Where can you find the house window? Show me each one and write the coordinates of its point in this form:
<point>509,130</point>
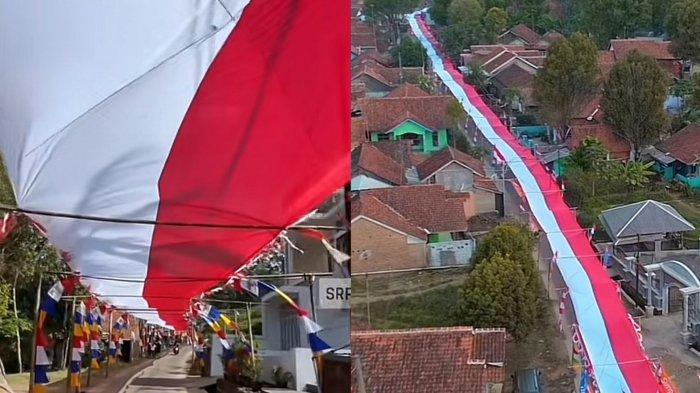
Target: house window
<point>289,328</point>
<point>416,140</point>
<point>383,137</point>
<point>436,139</point>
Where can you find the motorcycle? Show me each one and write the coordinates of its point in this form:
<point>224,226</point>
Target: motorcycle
<point>176,350</point>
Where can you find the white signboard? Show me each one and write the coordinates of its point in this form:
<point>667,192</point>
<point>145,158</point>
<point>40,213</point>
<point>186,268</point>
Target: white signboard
<point>334,293</point>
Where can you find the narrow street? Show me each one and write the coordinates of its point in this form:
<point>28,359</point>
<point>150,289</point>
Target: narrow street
<point>169,373</point>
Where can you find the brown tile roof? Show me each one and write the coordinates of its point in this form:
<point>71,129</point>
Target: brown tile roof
<point>606,61</point>
<point>527,34</point>
<point>367,159</point>
<point>446,360</point>
<point>369,206</point>
<point>359,27</point>
<point>684,145</point>
<point>400,151</point>
<point>407,90</point>
<point>363,40</point>
<point>482,53</point>
<point>446,156</point>
<point>659,50</point>
<point>487,184</point>
<point>490,65</point>
<point>514,75</point>
<point>387,75</point>
<point>428,206</point>
<point>371,56</point>
<point>357,131</point>
<point>382,114</point>
<point>581,129</point>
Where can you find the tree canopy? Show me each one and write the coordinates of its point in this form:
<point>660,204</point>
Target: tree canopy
<point>569,78</point>
<point>683,26</point>
<point>608,19</point>
<point>633,100</point>
<point>498,293</point>
<point>461,11</point>
<point>392,9</point>
<point>410,53</point>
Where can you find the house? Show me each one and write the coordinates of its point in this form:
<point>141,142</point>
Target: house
<point>510,68</point>
<point>659,271</point>
<point>460,172</point>
<point>589,123</point>
<point>420,118</point>
<point>658,49</point>
<point>520,35</point>
<point>410,226</point>
<point>547,40</point>
<point>284,338</point>
<point>362,37</point>
<point>380,79</point>
<point>678,156</point>
<point>517,78</point>
<point>372,168</point>
<point>447,360</point>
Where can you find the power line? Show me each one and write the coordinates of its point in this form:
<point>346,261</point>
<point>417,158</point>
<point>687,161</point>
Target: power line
<point>8,208</point>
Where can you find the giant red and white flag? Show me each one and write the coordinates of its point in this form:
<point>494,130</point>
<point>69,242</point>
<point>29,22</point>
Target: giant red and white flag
<point>215,112</point>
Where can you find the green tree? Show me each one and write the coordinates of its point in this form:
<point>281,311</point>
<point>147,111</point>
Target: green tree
<point>476,76</point>
<point>684,28</point>
<point>410,53</point>
<point>499,294</point>
<point>590,156</point>
<point>461,11</point>
<point>454,38</point>
<point>511,239</point>
<point>529,12</point>
<point>393,10</point>
<point>439,11</point>
<point>608,19</point>
<point>495,21</point>
<point>568,79</point>
<point>633,174</point>
<point>633,100</point>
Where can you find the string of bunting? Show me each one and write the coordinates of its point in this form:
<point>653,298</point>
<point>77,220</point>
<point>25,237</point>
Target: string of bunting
<point>48,308</point>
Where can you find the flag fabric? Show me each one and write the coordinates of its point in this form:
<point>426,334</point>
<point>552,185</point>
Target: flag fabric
<point>583,384</point>
<point>41,366</point>
<point>318,346</point>
<point>49,302</point>
<point>78,344</point>
<point>150,89</point>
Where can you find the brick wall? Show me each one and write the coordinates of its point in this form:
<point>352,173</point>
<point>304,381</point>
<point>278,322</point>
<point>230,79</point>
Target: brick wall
<point>377,248</point>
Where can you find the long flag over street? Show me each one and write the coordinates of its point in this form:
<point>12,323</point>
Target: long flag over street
<point>162,144</point>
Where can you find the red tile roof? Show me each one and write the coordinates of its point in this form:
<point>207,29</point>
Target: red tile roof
<point>684,145</point>
<point>606,61</point>
<point>368,206</point>
<point>400,151</point>
<point>500,59</point>
<point>357,131</point>
<point>388,75</point>
<point>363,40</point>
<point>527,34</point>
<point>407,90</point>
<point>659,50</point>
<point>446,156</point>
<point>430,207</point>
<point>446,360</point>
<point>487,184</point>
<point>616,145</point>
<point>382,114</point>
<point>367,159</point>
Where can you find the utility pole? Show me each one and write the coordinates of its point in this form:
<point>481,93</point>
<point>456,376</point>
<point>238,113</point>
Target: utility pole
<point>36,331</point>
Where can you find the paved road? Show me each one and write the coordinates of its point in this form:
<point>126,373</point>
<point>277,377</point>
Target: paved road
<point>169,373</point>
